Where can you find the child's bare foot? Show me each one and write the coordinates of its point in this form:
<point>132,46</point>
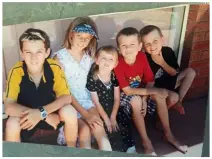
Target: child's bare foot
<point>148,148</point>
<point>53,120</point>
<point>171,139</point>
<point>179,108</point>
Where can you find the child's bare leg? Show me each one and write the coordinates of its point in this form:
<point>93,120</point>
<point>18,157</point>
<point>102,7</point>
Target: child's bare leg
<point>69,115</point>
<point>172,99</point>
<point>184,80</point>
<point>53,119</point>
<point>138,118</point>
<point>100,134</point>
<point>13,130</point>
<point>84,134</point>
<point>163,115</point>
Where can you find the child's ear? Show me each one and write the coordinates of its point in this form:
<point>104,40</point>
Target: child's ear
<point>140,46</point>
<point>96,61</point>
<point>48,52</point>
<point>162,40</point>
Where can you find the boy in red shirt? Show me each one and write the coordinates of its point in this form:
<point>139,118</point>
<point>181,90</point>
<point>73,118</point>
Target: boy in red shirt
<point>133,72</point>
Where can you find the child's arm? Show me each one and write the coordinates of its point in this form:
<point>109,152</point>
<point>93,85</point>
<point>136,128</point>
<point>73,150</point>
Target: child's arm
<point>169,55</point>
<point>115,109</point>
<point>145,91</point>
<point>171,71</point>
<point>101,110</point>
<point>13,109</point>
<point>116,102</point>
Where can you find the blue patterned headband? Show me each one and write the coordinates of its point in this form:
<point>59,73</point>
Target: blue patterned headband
<point>85,28</point>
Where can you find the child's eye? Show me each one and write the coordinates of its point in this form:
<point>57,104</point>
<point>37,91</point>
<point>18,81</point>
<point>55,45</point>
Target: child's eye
<point>27,52</point>
<point>155,41</point>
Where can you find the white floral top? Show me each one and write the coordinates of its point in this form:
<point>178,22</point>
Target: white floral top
<point>76,75</point>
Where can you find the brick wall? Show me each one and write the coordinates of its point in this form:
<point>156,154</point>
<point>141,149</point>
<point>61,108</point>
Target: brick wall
<point>196,49</point>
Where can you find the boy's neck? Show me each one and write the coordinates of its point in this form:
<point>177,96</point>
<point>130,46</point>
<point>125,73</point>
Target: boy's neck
<point>36,74</point>
<point>130,61</point>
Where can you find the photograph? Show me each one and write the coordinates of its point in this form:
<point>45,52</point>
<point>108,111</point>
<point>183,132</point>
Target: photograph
<point>105,79</point>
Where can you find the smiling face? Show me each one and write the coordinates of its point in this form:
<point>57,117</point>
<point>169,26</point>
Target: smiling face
<point>34,54</point>
<point>107,61</point>
<point>153,42</point>
<point>129,46</point>
<point>80,40</point>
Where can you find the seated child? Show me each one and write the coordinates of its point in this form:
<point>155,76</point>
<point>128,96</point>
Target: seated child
<point>105,93</point>
<point>76,59</point>
<point>133,70</point>
<point>37,96</point>
<point>165,67</point>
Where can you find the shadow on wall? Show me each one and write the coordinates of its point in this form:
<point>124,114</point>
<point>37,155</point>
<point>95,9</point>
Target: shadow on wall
<point>107,30</point>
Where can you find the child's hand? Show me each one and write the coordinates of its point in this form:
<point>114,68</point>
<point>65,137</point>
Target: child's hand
<point>114,123</point>
<point>94,119</point>
<point>158,59</point>
<point>109,125</point>
<point>30,118</point>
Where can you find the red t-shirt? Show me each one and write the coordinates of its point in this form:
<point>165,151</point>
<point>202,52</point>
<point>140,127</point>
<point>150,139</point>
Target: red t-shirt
<point>134,75</point>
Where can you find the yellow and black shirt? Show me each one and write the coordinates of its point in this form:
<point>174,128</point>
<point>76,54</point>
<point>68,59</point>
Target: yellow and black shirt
<point>22,89</point>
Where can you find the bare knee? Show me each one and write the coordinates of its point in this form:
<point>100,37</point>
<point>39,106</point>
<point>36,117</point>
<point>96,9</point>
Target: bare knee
<point>191,73</point>
<point>13,123</point>
<point>136,102</point>
<point>98,131</point>
<point>173,98</point>
<point>68,112</point>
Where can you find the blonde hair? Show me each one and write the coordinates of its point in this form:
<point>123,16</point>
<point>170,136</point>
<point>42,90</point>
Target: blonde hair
<point>109,49</point>
<point>91,48</point>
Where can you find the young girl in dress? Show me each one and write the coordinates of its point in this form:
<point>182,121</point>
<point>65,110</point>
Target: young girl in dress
<point>104,88</point>
<point>76,59</point>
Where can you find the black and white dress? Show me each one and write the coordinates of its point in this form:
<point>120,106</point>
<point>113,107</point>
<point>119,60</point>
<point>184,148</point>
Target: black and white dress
<point>106,98</point>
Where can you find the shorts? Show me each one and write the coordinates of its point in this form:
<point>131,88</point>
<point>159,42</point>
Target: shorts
<point>27,134</point>
<point>127,108</point>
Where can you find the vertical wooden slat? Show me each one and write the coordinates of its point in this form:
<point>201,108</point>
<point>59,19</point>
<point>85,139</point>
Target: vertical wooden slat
<point>10,47</point>
<point>54,31</point>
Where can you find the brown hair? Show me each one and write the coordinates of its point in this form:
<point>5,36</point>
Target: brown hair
<point>34,34</point>
<point>107,48</point>
<point>149,28</point>
<point>128,32</point>
<point>91,48</point>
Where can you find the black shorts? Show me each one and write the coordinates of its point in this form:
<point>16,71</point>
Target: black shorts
<point>27,134</point>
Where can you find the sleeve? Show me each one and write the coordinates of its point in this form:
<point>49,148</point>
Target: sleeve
<point>148,74</point>
<point>13,84</point>
<point>60,83</point>
<point>170,58</point>
<point>114,80</point>
<point>120,76</point>
<point>91,84</point>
